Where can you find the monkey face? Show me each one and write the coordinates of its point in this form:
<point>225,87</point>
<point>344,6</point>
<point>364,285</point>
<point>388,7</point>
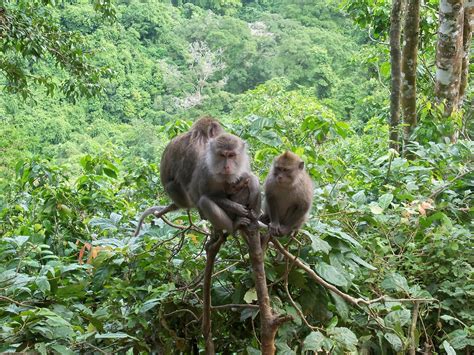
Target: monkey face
<point>227,157</point>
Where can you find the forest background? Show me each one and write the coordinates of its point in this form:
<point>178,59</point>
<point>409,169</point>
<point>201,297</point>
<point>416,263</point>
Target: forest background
<point>94,91</point>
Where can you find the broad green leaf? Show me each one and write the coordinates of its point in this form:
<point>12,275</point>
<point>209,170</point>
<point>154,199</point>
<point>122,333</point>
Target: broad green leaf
<point>61,349</point>
<point>345,337</point>
<point>21,239</point>
<point>250,296</point>
<point>283,348</point>
<point>448,348</point>
<point>341,305</point>
<point>394,341</point>
<point>314,342</point>
<point>43,284</point>
<point>318,244</point>
<point>399,317</point>
<point>385,200</point>
<point>149,305</point>
<point>395,282</point>
<point>375,208</point>
<point>330,274</point>
<point>360,198</point>
<point>103,223</point>
<point>362,262</point>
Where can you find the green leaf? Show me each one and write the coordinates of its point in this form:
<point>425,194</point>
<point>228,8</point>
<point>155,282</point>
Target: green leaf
<point>103,223</point>
<point>283,348</point>
<point>250,296</point>
<point>395,282</point>
<point>362,262</point>
<point>394,341</point>
<point>359,198</point>
<point>117,335</point>
<point>21,239</point>
<point>149,305</point>
<point>399,318</point>
<point>341,305</point>
<point>61,349</point>
<point>448,348</point>
<point>331,274</point>
<point>385,200</point>
<point>43,284</point>
<point>345,337</point>
<point>314,342</point>
<point>375,208</point>
<point>317,243</point>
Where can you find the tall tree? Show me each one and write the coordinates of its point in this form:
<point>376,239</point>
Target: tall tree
<point>449,53</point>
<point>409,62</point>
<point>396,78</point>
<point>467,39</point>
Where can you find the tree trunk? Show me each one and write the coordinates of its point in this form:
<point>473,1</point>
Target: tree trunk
<point>396,61</point>
<point>409,60</point>
<point>467,38</point>
<point>449,54</point>
<point>269,322</point>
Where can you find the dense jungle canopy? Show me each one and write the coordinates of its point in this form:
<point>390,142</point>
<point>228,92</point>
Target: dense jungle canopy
<point>375,96</point>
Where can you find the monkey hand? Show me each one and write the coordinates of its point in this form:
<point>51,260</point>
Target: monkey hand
<point>241,222</point>
<point>241,210</point>
<point>274,229</point>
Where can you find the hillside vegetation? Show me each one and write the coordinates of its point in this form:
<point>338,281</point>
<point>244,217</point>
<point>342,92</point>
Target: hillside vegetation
<point>76,171</point>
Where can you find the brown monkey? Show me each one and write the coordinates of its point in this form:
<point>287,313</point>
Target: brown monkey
<point>246,191</point>
<point>288,194</point>
<point>225,161</point>
<point>180,157</point>
<point>178,163</point>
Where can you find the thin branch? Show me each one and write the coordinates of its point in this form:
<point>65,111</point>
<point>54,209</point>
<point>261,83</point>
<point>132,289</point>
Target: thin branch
<point>225,269</point>
<point>235,305</point>
<point>182,310</point>
<point>18,303</point>
<point>445,186</point>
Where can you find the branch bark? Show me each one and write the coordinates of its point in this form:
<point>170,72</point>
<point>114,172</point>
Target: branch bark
<point>212,248</point>
<point>467,39</point>
<point>396,72</point>
<point>269,322</point>
<point>449,52</point>
<point>409,62</point>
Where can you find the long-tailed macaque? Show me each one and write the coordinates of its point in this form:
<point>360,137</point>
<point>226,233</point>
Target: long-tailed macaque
<point>246,191</point>
<point>225,161</point>
<point>178,162</point>
<point>288,194</point>
<point>181,156</point>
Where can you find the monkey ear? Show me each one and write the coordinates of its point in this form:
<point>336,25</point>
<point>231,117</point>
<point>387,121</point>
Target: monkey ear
<point>301,165</point>
<point>213,129</point>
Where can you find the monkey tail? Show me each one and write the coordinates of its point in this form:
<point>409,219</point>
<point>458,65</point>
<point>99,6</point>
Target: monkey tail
<point>158,211</point>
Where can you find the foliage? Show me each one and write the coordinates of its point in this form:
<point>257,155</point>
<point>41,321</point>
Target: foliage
<point>30,34</point>
<point>283,75</point>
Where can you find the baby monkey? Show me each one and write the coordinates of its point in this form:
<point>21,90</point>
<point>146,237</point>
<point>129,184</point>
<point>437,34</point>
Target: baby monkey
<point>288,195</point>
<point>245,191</point>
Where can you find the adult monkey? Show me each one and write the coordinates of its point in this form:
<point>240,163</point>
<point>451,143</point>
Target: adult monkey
<point>178,164</point>
<point>225,161</point>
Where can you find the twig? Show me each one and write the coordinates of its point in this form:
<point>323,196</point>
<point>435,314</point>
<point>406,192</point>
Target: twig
<point>182,310</point>
<point>18,303</point>
<point>235,305</point>
<point>445,186</point>
<point>355,301</point>
<point>414,319</point>
<point>225,269</point>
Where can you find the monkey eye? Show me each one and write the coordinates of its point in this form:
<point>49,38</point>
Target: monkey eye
<point>231,155</point>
